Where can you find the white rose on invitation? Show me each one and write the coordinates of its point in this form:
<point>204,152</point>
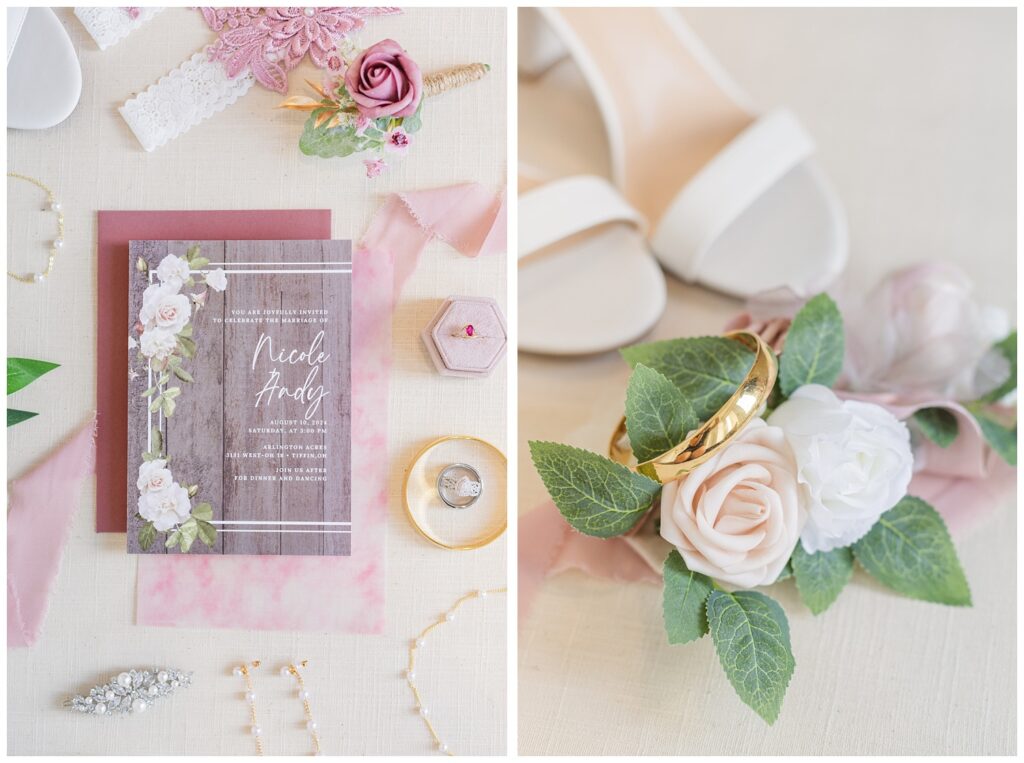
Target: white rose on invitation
<point>737,517</point>
<point>163,306</point>
<point>854,458</point>
<point>157,344</point>
<point>165,508</point>
<point>217,279</point>
<point>154,476</point>
<point>173,270</point>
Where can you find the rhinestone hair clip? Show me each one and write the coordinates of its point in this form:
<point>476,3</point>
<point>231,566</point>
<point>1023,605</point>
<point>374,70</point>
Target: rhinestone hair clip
<point>132,691</point>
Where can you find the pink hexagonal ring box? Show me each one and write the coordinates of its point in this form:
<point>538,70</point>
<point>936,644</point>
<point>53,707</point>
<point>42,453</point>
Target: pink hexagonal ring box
<point>466,337</point>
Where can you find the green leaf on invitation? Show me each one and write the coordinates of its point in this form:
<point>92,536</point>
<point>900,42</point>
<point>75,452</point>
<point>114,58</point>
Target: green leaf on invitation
<point>751,635</point>
<point>189,530</point>
<point>207,532</point>
<point>1001,436</point>
<point>595,495</point>
<point>820,577</point>
<point>1008,349</point>
<point>173,540</point>
<point>327,142</point>
<point>23,371</point>
<point>706,369</point>
<point>202,511</point>
<point>658,417</point>
<point>909,550</point>
<point>937,424</point>
<point>814,346</point>
<point>683,601</point>
<point>147,534</point>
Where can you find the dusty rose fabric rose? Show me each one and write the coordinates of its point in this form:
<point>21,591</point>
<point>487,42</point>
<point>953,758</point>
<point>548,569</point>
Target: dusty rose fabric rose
<point>737,517</point>
<point>384,81</point>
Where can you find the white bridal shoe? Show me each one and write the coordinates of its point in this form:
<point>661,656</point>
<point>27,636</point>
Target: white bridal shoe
<point>587,283</point>
<point>44,79</point>
<point>734,199</point>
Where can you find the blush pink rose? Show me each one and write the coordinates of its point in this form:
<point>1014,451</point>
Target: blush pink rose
<point>738,516</point>
<point>384,82</point>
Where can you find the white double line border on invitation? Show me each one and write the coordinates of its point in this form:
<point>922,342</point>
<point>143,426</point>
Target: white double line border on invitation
<point>279,526</point>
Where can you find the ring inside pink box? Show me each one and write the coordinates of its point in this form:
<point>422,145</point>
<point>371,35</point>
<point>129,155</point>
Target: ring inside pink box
<point>466,337</point>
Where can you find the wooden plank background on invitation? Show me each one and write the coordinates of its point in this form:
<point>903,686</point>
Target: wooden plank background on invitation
<point>215,412</point>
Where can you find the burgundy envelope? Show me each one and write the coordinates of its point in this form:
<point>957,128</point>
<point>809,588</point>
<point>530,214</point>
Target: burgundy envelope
<point>115,230</point>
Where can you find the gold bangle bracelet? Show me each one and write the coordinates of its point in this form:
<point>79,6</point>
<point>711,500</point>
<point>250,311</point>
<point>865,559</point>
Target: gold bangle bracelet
<point>699,445</point>
<point>476,542</point>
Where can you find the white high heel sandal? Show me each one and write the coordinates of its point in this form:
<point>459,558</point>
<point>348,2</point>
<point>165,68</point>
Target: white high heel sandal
<point>735,200</point>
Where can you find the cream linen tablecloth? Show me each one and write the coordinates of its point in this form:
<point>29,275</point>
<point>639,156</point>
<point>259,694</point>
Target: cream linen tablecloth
<point>914,113</point>
<point>247,158</point>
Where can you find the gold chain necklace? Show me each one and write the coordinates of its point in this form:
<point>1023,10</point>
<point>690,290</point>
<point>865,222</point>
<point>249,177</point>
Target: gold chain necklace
<point>419,642</point>
<point>56,245</point>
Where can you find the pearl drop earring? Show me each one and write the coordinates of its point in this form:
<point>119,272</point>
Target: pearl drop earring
<point>311,725</point>
<point>242,671</point>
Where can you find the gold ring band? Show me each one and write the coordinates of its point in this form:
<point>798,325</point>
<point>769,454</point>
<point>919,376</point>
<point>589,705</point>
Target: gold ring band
<point>473,544</point>
<point>699,445</point>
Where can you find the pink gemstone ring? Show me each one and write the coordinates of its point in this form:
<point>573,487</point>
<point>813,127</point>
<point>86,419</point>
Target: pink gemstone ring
<point>468,332</point>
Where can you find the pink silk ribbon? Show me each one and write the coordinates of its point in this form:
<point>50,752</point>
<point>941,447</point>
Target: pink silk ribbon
<point>469,217</point>
<point>42,504</point>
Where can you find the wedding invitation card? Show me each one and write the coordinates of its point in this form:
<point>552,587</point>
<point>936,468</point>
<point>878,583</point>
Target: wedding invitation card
<point>239,397</point>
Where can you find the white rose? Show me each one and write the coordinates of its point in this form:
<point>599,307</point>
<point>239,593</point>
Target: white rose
<point>920,330</point>
<point>217,279</point>
<point>854,457</point>
<point>157,344</point>
<point>164,307</point>
<point>165,508</point>
<point>737,517</point>
<point>173,270</point>
<point>154,476</point>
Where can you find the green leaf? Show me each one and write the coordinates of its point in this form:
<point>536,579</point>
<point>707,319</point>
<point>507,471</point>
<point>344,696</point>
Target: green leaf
<point>814,346</point>
<point>168,406</point>
<point>787,572</point>
<point>14,416</point>
<point>657,415</point>
<point>182,374</point>
<point>937,424</point>
<point>149,392</point>
<point>172,392</point>
<point>157,441</point>
<point>683,601</point>
<point>199,262</point>
<point>207,532</point>
<point>595,495</point>
<point>173,540</point>
<point>189,530</point>
<point>415,122</point>
<point>157,401</point>
<point>192,252</point>
<point>1008,349</point>
<point>707,369</point>
<point>820,577</point>
<point>23,371</point>
<point>1001,437</point>
<point>329,142</point>
<point>147,534</point>
<point>910,551</point>
<point>187,346</point>
<point>187,331</point>
<point>751,635</point>
<point>202,511</point>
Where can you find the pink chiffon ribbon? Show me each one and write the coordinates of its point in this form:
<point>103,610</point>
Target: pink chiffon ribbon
<point>42,504</point>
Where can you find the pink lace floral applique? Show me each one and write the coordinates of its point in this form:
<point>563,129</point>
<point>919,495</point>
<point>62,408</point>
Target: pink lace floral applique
<point>272,41</point>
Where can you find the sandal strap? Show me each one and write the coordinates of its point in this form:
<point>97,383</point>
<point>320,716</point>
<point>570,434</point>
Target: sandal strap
<point>568,206</point>
<point>726,187</point>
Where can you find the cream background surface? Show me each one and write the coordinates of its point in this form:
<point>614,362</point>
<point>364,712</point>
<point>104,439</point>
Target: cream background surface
<point>914,113</point>
<point>247,158</point>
